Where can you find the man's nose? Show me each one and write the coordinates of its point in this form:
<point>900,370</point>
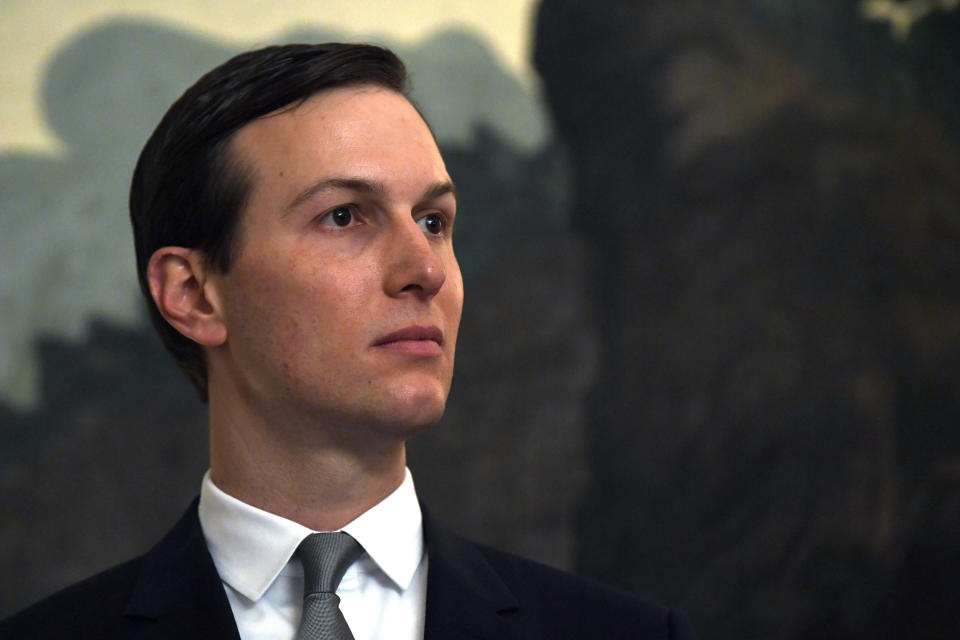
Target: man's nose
<point>414,266</point>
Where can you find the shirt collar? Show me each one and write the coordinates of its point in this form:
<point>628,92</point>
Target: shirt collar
<point>250,546</point>
<point>391,532</point>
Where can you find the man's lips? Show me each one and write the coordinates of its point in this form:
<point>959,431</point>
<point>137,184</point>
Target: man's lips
<point>414,340</point>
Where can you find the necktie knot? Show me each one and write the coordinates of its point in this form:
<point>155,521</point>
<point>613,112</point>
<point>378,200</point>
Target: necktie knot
<point>325,558</point>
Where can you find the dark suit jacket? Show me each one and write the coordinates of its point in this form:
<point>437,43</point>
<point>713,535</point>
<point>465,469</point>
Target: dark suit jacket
<point>174,591</point>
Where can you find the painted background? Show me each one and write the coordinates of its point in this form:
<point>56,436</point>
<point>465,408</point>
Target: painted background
<point>711,346</point>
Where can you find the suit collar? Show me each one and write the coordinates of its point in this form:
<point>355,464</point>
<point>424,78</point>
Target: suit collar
<point>178,589</point>
<point>465,596</point>
<point>180,595</point>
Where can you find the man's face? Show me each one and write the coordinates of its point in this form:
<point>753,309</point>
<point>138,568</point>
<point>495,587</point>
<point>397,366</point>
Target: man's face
<point>343,302</point>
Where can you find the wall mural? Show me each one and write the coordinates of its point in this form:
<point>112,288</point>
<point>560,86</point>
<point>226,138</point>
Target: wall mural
<point>711,342</point>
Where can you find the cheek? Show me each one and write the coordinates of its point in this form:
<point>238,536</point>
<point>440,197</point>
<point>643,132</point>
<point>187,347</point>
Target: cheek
<point>320,306</point>
<point>336,295</point>
<point>302,305</point>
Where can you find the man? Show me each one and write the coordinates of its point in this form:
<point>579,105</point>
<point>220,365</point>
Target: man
<point>293,223</point>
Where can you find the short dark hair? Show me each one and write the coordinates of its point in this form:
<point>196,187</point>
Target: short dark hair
<point>188,190</point>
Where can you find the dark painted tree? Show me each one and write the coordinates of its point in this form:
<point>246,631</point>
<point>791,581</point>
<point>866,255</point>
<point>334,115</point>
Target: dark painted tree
<point>771,431</point>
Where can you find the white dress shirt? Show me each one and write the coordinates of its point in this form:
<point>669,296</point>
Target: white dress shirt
<point>382,594</point>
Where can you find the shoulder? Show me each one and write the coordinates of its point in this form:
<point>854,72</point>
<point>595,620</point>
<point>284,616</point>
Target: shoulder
<point>87,609</point>
<point>568,602</point>
<point>176,575</point>
<point>532,600</point>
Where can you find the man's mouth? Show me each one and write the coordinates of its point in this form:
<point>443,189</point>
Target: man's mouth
<point>414,340</point>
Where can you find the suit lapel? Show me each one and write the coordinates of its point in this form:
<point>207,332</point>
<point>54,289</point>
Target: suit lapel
<point>465,596</point>
<point>178,593</point>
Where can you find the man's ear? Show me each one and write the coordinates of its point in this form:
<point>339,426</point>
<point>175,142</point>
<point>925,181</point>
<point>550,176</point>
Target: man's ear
<point>178,284</point>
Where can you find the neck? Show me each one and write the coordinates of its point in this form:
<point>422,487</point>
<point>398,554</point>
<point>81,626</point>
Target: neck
<point>320,484</point>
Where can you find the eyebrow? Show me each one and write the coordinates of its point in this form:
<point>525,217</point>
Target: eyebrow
<point>362,185</point>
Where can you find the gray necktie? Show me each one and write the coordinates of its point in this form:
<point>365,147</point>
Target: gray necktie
<point>325,558</point>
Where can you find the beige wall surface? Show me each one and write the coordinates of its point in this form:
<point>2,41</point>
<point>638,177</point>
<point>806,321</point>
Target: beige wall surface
<point>32,30</point>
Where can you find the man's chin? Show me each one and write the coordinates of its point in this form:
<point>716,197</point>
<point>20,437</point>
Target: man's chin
<point>386,415</point>
<point>417,395</point>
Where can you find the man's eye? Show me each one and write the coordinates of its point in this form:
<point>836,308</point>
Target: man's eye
<point>339,217</point>
<point>432,223</point>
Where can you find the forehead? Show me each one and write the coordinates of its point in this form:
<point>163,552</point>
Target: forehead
<point>364,131</point>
